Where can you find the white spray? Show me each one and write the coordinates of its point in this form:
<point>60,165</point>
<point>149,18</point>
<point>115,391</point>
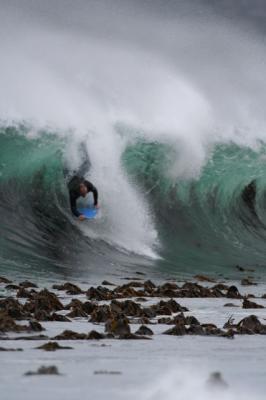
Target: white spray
<point>184,82</point>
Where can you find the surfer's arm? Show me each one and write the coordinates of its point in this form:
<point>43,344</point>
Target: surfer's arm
<point>92,189</point>
<point>73,205</point>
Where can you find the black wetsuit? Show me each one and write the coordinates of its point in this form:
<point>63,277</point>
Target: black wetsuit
<point>74,194</point>
<point>249,196</point>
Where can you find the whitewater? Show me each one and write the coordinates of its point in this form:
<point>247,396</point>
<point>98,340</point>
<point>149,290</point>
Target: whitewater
<point>161,105</point>
<point>168,110</point>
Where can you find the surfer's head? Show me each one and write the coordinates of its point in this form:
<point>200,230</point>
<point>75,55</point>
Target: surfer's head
<point>83,190</point>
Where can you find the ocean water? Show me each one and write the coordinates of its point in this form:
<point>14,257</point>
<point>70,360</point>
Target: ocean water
<point>161,104</point>
<point>165,367</point>
<point>166,100</point>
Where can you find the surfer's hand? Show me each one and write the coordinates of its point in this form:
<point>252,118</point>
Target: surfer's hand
<point>82,217</point>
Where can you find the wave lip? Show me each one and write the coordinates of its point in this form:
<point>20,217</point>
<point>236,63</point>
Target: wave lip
<point>207,221</point>
<point>37,228</point>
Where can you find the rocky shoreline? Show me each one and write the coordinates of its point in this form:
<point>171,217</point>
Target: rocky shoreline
<point>118,308</point>
<point>136,310</point>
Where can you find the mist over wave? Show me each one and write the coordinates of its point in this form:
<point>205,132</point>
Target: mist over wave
<point>169,108</point>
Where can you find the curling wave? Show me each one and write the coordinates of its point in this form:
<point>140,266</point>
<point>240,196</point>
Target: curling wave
<point>171,114</point>
<point>200,223</point>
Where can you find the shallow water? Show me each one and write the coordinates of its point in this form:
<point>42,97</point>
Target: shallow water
<point>164,102</point>
<point>171,144</point>
<point>165,367</point>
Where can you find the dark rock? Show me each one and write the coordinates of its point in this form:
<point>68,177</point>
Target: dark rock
<point>51,370</point>
<point>233,293</point>
<point>127,307</point>
<point>141,321</point>
<point>135,283</point>
<point>77,312</point>
<point>230,305</point>
<point>149,286</point>
<point>24,293</point>
<point>250,304</point>
<point>104,372</point>
<point>99,293</point>
<point>168,286</point>
<point>144,330</point>
<point>12,287</point>
<point>251,325</point>
<point>216,381</point>
<point>101,314</point>
<point>167,293</point>
<point>162,310</point>
<point>9,349</point>
<point>27,285</point>
<point>178,330</point>
<point>165,320</point>
<point>220,286</point>
<point>180,318</point>
<point>53,346</point>
<point>117,307</point>
<point>149,312</point>
<point>191,320</point>
<point>133,336</point>
<point>74,303</point>
<point>106,283</point>
<point>131,308</point>
<point>209,326</point>
<point>7,324</point>
<point>195,330</point>
<point>87,307</point>
<point>32,337</point>
<point>212,330</point>
<point>69,287</point>
<point>168,307</point>
<point>217,293</point>
<point>109,336</point>
<point>118,326</point>
<point>247,282</point>
<point>59,318</point>
<point>35,326</point>
<point>4,280</point>
<point>244,269</point>
<point>190,289</point>
<point>44,301</point>
<point>204,278</point>
<point>127,291</point>
<point>94,335</point>
<point>41,315</point>
<point>13,308</point>
<point>229,334</point>
<point>70,335</point>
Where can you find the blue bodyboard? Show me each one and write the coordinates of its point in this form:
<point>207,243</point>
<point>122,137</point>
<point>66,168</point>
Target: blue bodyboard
<point>89,212</point>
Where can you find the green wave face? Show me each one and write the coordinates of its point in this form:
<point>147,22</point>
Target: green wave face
<point>31,187</point>
<point>21,156</point>
<point>204,223</point>
<point>38,234</point>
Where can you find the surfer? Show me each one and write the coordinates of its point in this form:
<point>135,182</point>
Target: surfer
<point>249,196</point>
<point>79,187</point>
